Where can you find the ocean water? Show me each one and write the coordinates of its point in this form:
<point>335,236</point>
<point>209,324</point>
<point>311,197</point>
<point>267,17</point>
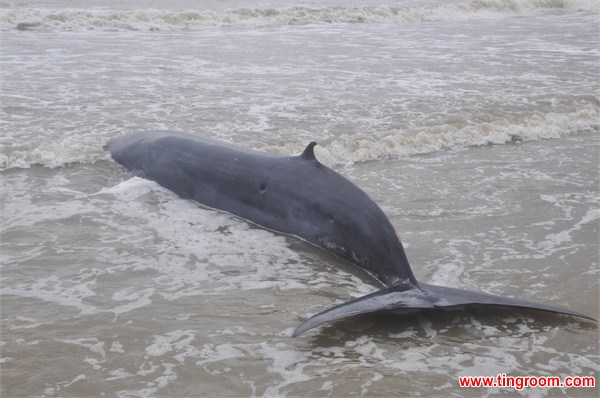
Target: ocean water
<point>474,124</point>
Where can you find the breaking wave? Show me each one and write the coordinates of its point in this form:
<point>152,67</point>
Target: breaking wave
<point>350,149</point>
<point>530,126</point>
<point>154,19</point>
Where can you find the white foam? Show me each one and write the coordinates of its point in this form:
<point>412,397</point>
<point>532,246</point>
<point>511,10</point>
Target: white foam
<point>135,298</point>
<point>53,290</point>
<point>215,253</point>
<point>117,347</point>
<point>24,323</point>
<point>91,343</point>
<point>155,19</point>
<point>561,240</point>
<point>131,189</point>
<point>48,152</point>
<point>350,149</point>
<point>176,340</point>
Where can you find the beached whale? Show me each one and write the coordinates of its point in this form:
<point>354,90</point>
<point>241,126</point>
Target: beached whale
<point>299,196</point>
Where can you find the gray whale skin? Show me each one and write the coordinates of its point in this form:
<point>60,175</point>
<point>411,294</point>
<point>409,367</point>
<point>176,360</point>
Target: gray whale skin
<point>298,196</point>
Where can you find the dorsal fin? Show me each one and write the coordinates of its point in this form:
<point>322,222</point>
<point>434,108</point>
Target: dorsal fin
<point>309,153</point>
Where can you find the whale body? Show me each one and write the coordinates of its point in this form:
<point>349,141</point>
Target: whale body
<point>298,195</point>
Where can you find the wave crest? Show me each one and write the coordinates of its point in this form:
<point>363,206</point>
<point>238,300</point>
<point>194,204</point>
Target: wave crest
<point>47,152</point>
<point>583,115</point>
<point>151,20</point>
<point>346,150</point>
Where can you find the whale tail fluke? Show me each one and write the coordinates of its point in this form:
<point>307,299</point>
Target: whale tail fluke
<point>422,296</point>
<point>394,297</point>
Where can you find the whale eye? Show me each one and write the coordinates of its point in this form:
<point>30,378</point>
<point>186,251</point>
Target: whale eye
<point>263,187</point>
<point>331,219</point>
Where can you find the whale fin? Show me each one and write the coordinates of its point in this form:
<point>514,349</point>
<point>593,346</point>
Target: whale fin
<point>393,297</point>
<point>309,153</point>
<point>449,297</point>
<point>422,296</point>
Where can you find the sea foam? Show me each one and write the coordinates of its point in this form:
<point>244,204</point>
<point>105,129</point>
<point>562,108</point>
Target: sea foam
<point>154,19</point>
<point>349,149</point>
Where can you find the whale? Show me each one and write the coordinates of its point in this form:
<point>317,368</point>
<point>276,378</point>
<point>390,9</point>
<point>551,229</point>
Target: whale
<point>300,196</point>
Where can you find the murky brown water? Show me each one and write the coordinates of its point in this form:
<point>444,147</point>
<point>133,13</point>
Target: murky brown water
<point>121,288</point>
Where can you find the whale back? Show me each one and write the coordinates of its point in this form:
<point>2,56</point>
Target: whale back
<point>299,196</point>
<point>294,195</point>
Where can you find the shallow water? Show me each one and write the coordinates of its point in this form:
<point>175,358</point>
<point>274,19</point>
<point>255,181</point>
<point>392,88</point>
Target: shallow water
<point>113,286</point>
<point>129,290</point>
